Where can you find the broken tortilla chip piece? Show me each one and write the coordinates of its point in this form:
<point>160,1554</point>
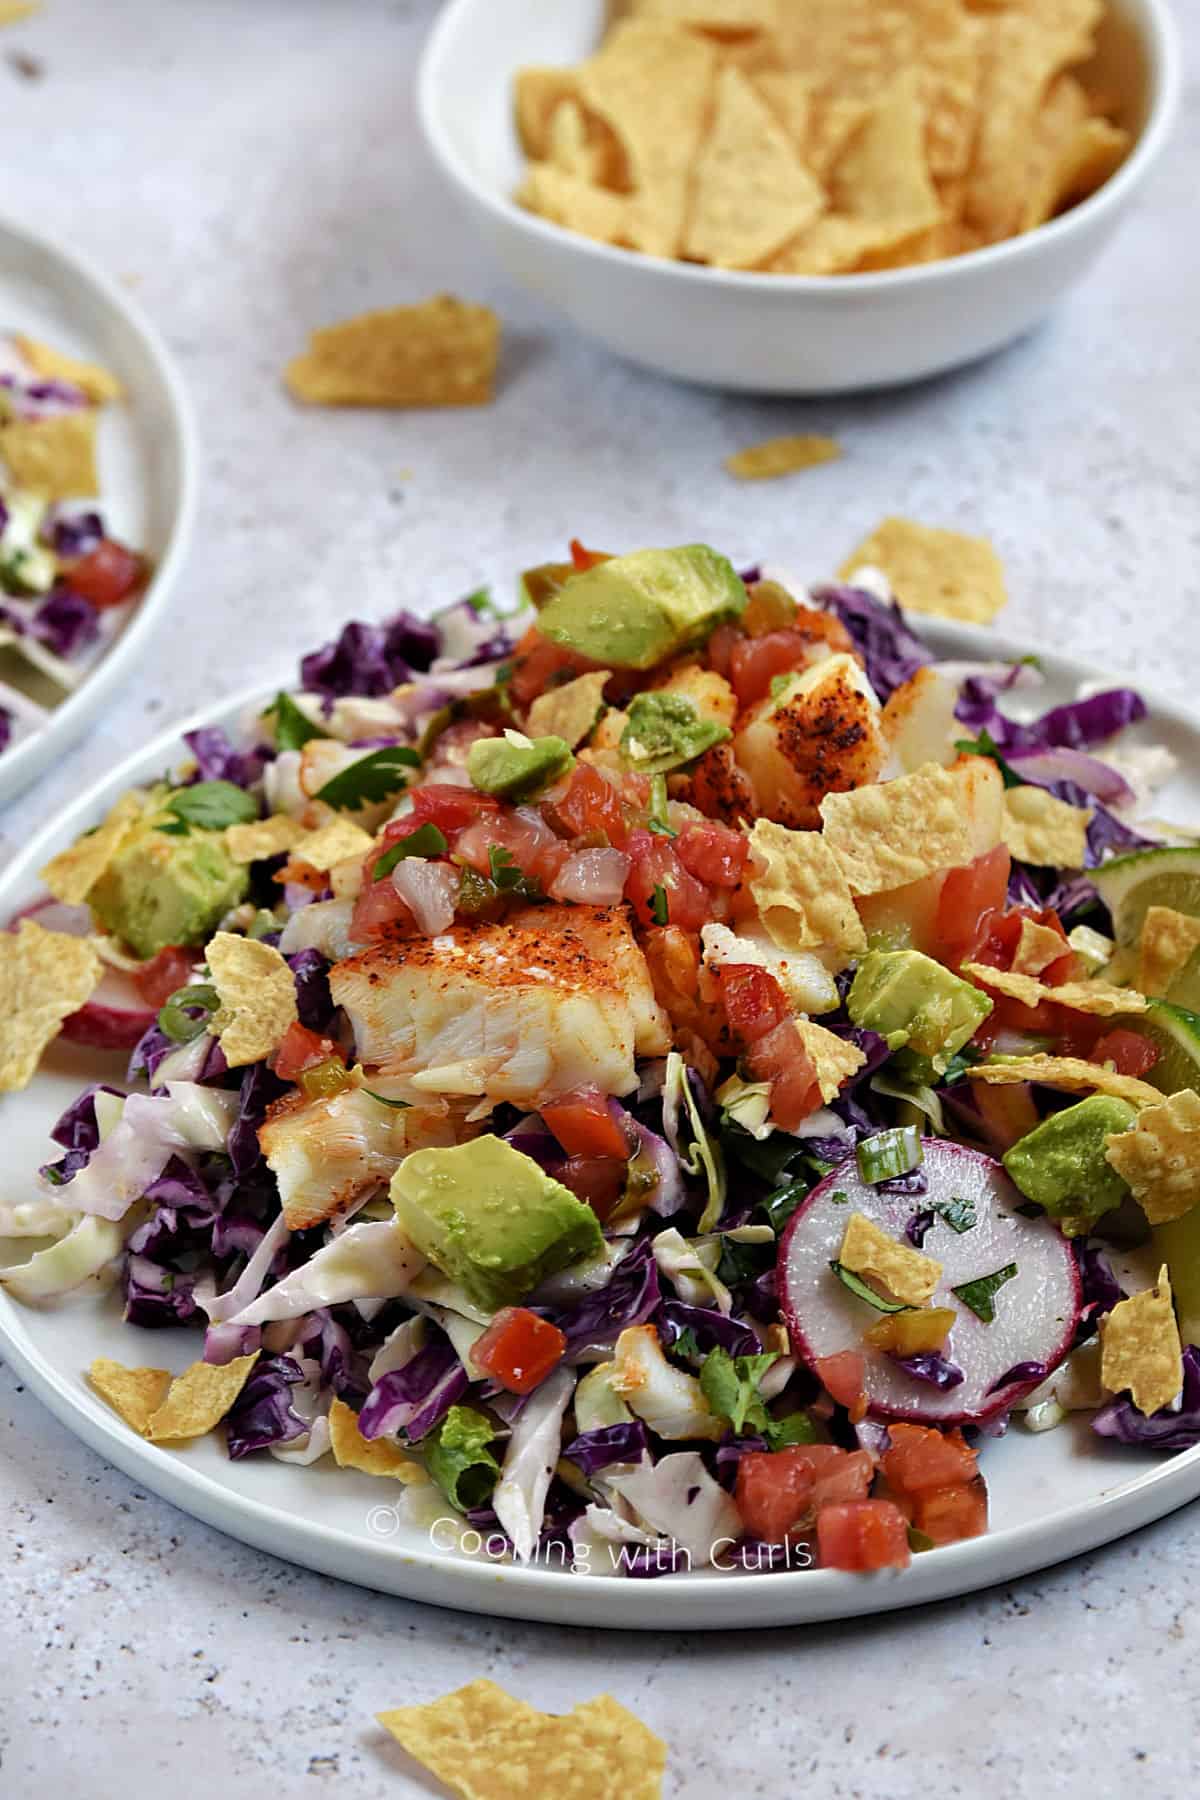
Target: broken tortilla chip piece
<point>1068,1073</point>
<point>750,193</point>
<point>263,838</point>
<point>374,1456</point>
<point>13,11</point>
<point>45,976</point>
<point>537,94</point>
<point>1160,1157</point>
<point>883,173</point>
<point>136,1394</point>
<point>1168,942</point>
<point>893,832</point>
<point>570,711</point>
<point>440,353</point>
<point>484,1745</point>
<point>333,843</point>
<point>1098,998</point>
<point>1140,1349</point>
<point>801,893</point>
<point>932,570</point>
<point>97,383</point>
<point>566,200</point>
<point>72,874</point>
<point>257,993</point>
<point>906,1273</point>
<point>834,1059</point>
<point>782,456</point>
<point>55,456</point>
<point>199,1399</point>
<point>1037,947</point>
<point>1043,830</point>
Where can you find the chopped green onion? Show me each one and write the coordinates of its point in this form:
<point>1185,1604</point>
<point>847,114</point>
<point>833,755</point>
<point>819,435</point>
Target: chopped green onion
<point>889,1154</point>
<point>657,818</point>
<point>858,1287</point>
<point>659,911</point>
<point>426,840</point>
<point>175,1018</point>
<point>980,1294</point>
<point>959,1215</point>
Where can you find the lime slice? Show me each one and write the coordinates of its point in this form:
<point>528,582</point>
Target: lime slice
<point>1185,988</point>
<point>1130,885</point>
<point>1176,1033</point>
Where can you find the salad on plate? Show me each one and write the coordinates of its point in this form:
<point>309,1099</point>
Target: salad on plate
<point>665,1076</point>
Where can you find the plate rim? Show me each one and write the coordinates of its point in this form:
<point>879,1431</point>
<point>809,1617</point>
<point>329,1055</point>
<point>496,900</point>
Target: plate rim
<point>703,1601</point>
<point>26,760</point>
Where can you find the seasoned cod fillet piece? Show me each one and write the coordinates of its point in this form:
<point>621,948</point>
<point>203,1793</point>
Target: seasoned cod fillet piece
<point>327,1153</point>
<point>549,999</point>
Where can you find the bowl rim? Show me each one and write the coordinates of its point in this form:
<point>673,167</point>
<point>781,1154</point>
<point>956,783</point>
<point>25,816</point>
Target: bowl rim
<point>26,760</point>
<point>1159,35</point>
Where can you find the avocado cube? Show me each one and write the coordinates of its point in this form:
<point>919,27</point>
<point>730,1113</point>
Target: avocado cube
<point>515,770</point>
<point>913,1001</point>
<point>633,611</point>
<point>162,888</point>
<point>1061,1163</point>
<point>490,1219</point>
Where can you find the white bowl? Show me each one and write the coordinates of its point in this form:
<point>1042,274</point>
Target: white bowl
<point>778,334</point>
<point>146,457</point>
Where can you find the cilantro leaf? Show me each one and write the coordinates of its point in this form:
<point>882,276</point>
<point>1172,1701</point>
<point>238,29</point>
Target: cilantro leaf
<point>730,1385</point>
<point>986,745</point>
<point>858,1287</point>
<point>508,877</point>
<point>959,1215</point>
<point>293,728</point>
<point>372,779</point>
<point>426,840</point>
<point>209,806</point>
<point>795,1428</point>
<point>980,1294</point>
<point>687,1346</point>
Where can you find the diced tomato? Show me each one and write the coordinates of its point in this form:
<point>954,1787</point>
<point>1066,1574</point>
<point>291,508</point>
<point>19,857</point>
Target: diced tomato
<point>862,1535</point>
<point>754,662</point>
<point>590,804</point>
<point>1128,1051</point>
<point>378,912</point>
<point>922,1458</point>
<point>525,835</point>
<point>107,575</point>
<point>949,1514</point>
<point>587,559</point>
<point>584,1124</point>
<point>774,1492</point>
<point>842,1375</point>
<point>713,853</point>
<point>781,1059</point>
<point>159,978</point>
<point>968,897</point>
<point>519,1349</point>
<point>599,1181</point>
<point>654,867</point>
<point>442,804</point>
<point>536,661</point>
<point>301,1049</point>
<point>847,1478</point>
<point>721,646</point>
<point>754,1001</point>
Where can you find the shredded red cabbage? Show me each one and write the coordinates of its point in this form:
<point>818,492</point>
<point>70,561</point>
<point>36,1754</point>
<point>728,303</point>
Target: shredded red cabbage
<point>891,652</point>
<point>371,659</point>
<point>1163,1430</point>
<point>262,1414</point>
<point>624,1443</point>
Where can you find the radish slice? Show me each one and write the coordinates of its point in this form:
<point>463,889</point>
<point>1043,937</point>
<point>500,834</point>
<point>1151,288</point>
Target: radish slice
<point>116,1015</point>
<point>1035,1312</point>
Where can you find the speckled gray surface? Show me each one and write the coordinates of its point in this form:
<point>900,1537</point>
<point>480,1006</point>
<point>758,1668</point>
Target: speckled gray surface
<point>253,167</point>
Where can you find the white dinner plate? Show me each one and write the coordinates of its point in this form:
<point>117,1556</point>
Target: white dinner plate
<point>146,460</point>
<point>1053,1495</point>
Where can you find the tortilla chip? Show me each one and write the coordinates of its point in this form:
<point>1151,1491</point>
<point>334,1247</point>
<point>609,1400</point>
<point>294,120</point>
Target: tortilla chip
<point>136,1394</point>
<point>651,84</point>
<point>893,832</point>
<point>1093,157</point>
<point>883,173</point>
<point>1064,109</point>
<point>834,1059</point>
<point>800,891</point>
<point>374,1456</point>
<point>1140,1348</point>
<point>1046,831</point>
<point>55,456</point>
<point>1168,942</point>
<point>720,18</point>
<point>537,94</point>
<point>199,1399</point>
<point>906,1273</point>
<point>575,204</point>
<point>484,1745</point>
<point>934,571</point>
<point>1037,947</point>
<point>74,872</point>
<point>1070,1074</point>
<point>97,383</point>
<point>1095,997</point>
<point>1160,1157</point>
<point>263,838</point>
<point>782,456</point>
<point>333,843</point>
<point>789,95</point>
<point>834,119</point>
<point>440,353</point>
<point>13,11</point>
<point>45,976</point>
<point>836,243</point>
<point>751,193</point>
<point>257,994</point>
<point>570,711</point>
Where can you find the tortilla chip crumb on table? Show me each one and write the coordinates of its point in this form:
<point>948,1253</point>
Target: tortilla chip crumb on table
<point>782,456</point>
<point>932,570</point>
<point>54,456</point>
<point>819,139</point>
<point>45,976</point>
<point>440,353</point>
<point>485,1745</point>
<point>13,11</point>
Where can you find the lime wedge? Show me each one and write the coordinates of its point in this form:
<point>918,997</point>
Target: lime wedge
<point>1185,988</point>
<point>1130,885</point>
<point>1176,1033</point>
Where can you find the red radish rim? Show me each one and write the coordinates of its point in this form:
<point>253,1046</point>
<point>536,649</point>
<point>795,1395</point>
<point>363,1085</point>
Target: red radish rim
<point>1007,1396</point>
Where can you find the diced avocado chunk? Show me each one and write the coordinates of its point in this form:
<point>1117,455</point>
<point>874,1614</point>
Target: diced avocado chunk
<point>489,1218</point>
<point>665,731</point>
<point>1061,1165</point>
<point>914,1002</point>
<point>633,611</point>
<point>164,887</point>
<point>515,767</point>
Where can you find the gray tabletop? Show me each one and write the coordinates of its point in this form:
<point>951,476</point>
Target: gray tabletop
<point>252,168</point>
